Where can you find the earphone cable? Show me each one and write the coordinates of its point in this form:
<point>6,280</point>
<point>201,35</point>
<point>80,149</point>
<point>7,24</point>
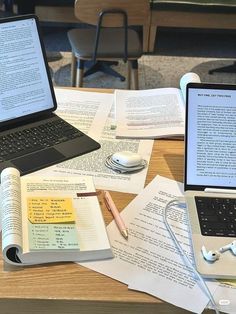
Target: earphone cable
<point>181,251</point>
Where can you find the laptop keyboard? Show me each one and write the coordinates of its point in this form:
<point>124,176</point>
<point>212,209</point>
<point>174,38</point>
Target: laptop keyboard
<point>23,142</point>
<point>217,216</point>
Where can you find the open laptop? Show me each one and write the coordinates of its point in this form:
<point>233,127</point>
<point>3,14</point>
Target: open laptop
<point>32,136</point>
<point>210,174</point>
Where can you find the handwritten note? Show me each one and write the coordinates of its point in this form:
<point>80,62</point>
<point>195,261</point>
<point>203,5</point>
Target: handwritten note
<point>53,237</point>
<point>46,210</point>
<point>51,223</point>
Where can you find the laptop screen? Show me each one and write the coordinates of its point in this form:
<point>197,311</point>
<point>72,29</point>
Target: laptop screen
<point>210,141</point>
<point>25,85</point>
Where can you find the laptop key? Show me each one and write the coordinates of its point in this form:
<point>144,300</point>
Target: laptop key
<point>16,154</point>
<point>222,222</point>
<point>27,141</point>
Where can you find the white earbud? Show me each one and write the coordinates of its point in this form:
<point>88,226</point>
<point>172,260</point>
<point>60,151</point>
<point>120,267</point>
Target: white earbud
<point>210,256</point>
<point>231,246</point>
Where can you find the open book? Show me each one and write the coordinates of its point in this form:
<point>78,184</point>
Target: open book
<point>51,219</point>
<point>152,113</point>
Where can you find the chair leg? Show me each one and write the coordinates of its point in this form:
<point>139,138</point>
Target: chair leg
<point>128,80</point>
<point>152,38</point>
<point>73,69</point>
<point>80,73</point>
<point>134,64</point>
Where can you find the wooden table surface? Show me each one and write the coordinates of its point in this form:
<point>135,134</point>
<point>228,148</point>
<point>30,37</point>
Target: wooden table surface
<point>70,288</point>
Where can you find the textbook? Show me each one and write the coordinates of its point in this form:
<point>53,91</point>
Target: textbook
<point>51,219</point>
<point>152,113</point>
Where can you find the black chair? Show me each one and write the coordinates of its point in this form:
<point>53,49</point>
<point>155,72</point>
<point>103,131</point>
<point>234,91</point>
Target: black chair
<point>110,40</point>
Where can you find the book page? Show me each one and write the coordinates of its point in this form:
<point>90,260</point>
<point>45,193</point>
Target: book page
<point>84,228</point>
<point>150,113</point>
<point>90,224</point>
<point>11,208</point>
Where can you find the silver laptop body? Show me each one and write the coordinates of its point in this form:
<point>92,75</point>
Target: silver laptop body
<point>210,174</point>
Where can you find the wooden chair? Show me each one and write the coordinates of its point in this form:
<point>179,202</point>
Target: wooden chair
<point>111,39</point>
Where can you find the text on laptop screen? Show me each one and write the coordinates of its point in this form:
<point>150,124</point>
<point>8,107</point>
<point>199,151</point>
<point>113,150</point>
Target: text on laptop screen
<point>24,81</point>
<point>211,137</point>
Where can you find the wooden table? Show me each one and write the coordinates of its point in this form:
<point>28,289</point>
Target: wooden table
<point>70,288</point>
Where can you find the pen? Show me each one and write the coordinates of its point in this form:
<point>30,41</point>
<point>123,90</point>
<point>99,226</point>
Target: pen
<point>119,221</point>
<point>84,194</point>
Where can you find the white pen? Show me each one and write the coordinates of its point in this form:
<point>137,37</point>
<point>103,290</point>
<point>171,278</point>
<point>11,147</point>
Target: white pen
<point>119,221</point>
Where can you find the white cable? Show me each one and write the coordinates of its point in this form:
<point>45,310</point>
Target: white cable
<point>168,205</point>
<point>115,166</point>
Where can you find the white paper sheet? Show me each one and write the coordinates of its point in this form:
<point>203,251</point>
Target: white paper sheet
<point>87,111</point>
<point>149,260</point>
<point>93,113</point>
<point>149,113</point>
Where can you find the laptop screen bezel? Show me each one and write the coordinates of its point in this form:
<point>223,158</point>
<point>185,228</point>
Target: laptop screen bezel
<point>34,115</point>
<point>189,187</point>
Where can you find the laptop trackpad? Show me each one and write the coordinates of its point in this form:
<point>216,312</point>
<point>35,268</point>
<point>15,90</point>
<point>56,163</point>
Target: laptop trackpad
<point>38,160</point>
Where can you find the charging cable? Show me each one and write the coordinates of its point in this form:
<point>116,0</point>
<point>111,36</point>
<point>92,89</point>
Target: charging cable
<point>119,168</point>
<point>181,203</point>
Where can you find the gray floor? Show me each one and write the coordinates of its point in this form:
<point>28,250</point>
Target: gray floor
<point>183,50</point>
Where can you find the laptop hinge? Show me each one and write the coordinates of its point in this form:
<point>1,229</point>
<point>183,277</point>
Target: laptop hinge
<point>225,191</point>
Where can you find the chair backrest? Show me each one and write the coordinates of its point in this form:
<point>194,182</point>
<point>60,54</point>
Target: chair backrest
<point>138,11</point>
